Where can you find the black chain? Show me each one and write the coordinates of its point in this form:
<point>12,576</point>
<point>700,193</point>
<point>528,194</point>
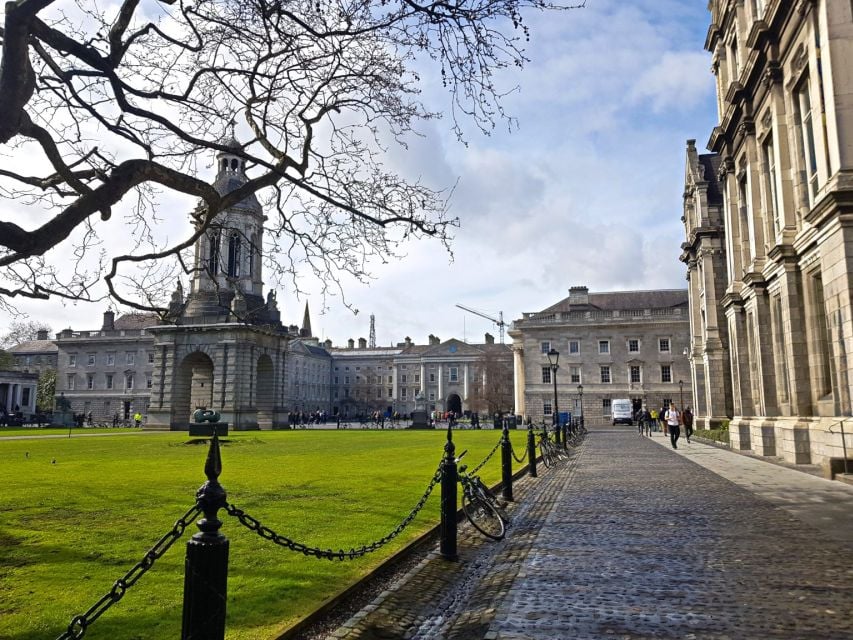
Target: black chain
<point>80,623</point>
<point>522,458</point>
<point>486,459</point>
<point>328,554</point>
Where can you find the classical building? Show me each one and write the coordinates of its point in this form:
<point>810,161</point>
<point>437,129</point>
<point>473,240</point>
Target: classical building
<point>614,345</point>
<point>35,356</point>
<point>704,253</point>
<point>449,375</point>
<point>784,148</point>
<point>18,393</point>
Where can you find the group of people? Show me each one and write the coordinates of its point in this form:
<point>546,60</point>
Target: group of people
<point>670,421</point>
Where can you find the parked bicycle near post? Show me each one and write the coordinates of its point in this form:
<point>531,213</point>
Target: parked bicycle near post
<point>480,505</point>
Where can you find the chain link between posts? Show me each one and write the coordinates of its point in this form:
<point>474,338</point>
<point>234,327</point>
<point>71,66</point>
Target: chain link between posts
<point>486,459</point>
<point>522,458</point>
<point>328,554</point>
<point>80,623</point>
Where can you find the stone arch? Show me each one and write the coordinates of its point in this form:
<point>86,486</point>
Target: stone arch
<point>193,388</point>
<point>454,403</point>
<point>265,391</point>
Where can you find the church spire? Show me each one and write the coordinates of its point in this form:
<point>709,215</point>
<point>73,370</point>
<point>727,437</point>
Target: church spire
<point>306,324</point>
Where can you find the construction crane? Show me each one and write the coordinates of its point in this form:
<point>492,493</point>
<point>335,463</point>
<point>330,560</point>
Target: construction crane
<point>498,321</point>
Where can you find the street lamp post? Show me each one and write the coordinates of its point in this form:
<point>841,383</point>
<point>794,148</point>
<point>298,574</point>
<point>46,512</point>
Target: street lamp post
<point>580,394</point>
<point>681,394</point>
<point>553,360</point>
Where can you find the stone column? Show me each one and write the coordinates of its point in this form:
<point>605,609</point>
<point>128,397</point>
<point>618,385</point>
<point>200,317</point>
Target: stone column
<point>519,381</point>
<point>465,382</point>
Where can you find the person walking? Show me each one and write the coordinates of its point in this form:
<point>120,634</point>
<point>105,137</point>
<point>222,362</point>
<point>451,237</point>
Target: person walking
<point>662,418</point>
<point>687,420</point>
<point>673,421</point>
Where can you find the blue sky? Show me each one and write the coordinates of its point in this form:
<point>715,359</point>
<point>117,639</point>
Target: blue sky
<point>585,190</point>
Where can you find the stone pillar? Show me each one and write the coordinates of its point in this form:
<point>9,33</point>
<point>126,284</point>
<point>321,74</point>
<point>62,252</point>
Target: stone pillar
<point>440,396</point>
<point>465,382</point>
<point>519,382</point>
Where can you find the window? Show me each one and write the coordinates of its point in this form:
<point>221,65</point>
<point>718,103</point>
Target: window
<point>417,378</point>
<point>545,346</point>
<point>148,382</point>
<point>213,259</point>
<point>432,396</point>
<point>546,375</point>
<point>633,346</point>
<point>546,408</point>
<point>635,374</point>
<point>666,373</point>
<point>130,357</point>
<point>432,377</point>
<point>604,346</point>
<point>454,374</point>
<point>70,382</point>
<point>150,357</point>
<point>90,381</point>
<point>663,345</point>
<point>605,406</point>
<point>90,360</point>
<point>403,378</point>
<point>575,374</point>
<point>25,396</point>
<point>390,393</point>
<point>403,392</point>
<point>336,379</point>
<point>806,125</point>
<point>128,382</point>
<point>390,379</point>
<point>605,374</point>
<point>574,346</point>
<point>379,393</point>
<point>346,379</point>
<point>109,381</point>
<point>111,359</point>
<point>234,257</point>
<point>771,201</point>
<point>72,359</point>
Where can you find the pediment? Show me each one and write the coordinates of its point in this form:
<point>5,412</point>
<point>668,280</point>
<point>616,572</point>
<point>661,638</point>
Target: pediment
<point>452,348</point>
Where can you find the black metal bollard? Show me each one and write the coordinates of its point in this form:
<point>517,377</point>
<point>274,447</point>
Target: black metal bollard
<point>566,436</point>
<point>449,480</point>
<point>506,464</point>
<point>206,564</point>
<point>557,430</point>
<point>531,450</point>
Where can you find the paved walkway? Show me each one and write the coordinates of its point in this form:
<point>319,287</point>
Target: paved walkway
<point>631,539</point>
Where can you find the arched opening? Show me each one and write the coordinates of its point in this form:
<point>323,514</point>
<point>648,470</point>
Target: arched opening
<point>193,387</point>
<point>234,255</point>
<point>454,404</point>
<point>265,387</point>
<point>213,256</point>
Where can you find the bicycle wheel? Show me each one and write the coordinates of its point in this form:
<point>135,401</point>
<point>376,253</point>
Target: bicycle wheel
<point>547,459</point>
<point>489,496</point>
<point>483,516</point>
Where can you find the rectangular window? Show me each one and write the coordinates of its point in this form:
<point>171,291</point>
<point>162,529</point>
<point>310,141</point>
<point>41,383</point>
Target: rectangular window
<point>403,378</point>
<point>109,381</point>
<point>605,374</point>
<point>346,379</point>
<point>635,374</point>
<point>574,346</point>
<point>25,396</point>
<point>379,393</point>
<point>150,357</point>
<point>771,201</point>
<point>432,396</point>
<point>546,375</point>
<point>454,374</point>
<point>806,124</point>
<point>545,346</point>
<point>390,379</point>
<point>432,377</point>
<point>148,382</point>
<point>546,408</point>
<point>575,374</point>
<point>130,357</point>
<point>70,382</point>
<point>605,406</point>
<point>663,345</point>
<point>111,359</point>
<point>417,378</point>
<point>128,382</point>
<point>390,393</point>
<point>403,392</point>
<point>72,359</point>
<point>90,360</point>
<point>666,373</point>
<point>604,346</point>
<point>633,346</point>
<point>90,381</point>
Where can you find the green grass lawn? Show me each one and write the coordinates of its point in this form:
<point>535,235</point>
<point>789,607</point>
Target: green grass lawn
<point>69,529</point>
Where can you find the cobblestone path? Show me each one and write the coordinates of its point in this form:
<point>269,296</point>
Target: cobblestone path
<point>629,540</point>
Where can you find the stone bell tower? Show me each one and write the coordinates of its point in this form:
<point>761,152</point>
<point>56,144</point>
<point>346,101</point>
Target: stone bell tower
<point>227,266</point>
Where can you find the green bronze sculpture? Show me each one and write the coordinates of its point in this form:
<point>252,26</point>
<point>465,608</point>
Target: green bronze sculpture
<point>205,415</point>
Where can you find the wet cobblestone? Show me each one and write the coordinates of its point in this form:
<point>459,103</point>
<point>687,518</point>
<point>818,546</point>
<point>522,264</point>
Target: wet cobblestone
<point>628,540</point>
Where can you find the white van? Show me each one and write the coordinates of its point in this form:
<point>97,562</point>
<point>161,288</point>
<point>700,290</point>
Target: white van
<point>622,411</point>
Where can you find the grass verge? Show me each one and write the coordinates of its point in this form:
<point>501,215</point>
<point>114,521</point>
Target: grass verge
<point>78,513</point>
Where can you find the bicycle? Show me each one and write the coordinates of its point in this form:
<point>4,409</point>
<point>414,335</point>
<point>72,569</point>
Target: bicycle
<point>551,453</point>
<point>481,506</point>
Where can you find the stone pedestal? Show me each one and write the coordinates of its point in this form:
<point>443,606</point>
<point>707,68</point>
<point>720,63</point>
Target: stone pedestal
<point>205,429</point>
<point>420,420</point>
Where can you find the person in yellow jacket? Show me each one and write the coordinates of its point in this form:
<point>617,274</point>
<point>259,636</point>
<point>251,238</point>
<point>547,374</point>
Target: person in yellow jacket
<point>654,414</point>
<point>137,419</point>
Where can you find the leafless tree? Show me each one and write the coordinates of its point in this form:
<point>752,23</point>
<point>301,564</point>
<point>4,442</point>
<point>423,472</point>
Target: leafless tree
<point>104,111</point>
<point>21,331</point>
<point>496,395</point>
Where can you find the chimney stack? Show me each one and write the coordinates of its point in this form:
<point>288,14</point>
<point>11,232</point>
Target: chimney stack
<point>362,343</point>
<point>350,344</point>
<point>490,339</point>
<point>109,321</point>
<point>41,334</point>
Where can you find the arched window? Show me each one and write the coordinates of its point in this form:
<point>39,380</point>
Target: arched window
<point>213,256</point>
<point>253,254</point>
<point>234,255</point>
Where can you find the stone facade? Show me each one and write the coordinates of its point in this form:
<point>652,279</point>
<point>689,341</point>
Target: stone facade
<point>785,155</point>
<point>449,375</point>
<point>35,356</point>
<point>18,392</point>
<point>615,345</point>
